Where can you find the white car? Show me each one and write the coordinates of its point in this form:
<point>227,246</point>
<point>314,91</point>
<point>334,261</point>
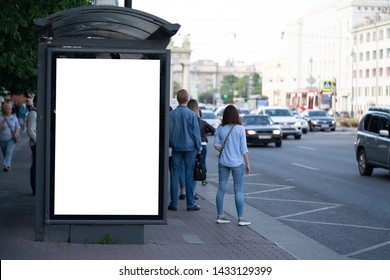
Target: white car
<point>210,117</point>
<point>304,123</point>
<point>284,117</point>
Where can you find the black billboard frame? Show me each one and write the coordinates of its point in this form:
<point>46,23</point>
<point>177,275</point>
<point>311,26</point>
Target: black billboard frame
<point>110,53</point>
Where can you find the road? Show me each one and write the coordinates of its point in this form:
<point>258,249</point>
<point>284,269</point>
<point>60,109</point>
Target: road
<point>313,185</point>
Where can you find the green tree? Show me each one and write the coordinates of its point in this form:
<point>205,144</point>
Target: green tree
<point>257,84</point>
<point>19,43</point>
<point>176,88</point>
<point>242,87</point>
<point>232,86</point>
<point>227,88</point>
<point>208,96</point>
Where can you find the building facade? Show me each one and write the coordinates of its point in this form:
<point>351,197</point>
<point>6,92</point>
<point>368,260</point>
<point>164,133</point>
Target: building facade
<point>275,81</point>
<point>318,47</point>
<point>203,75</point>
<point>371,63</point>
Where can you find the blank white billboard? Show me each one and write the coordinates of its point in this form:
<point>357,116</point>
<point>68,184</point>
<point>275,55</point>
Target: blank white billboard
<point>107,132</point>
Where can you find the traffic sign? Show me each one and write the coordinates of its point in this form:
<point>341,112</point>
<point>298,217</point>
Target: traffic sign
<point>328,86</point>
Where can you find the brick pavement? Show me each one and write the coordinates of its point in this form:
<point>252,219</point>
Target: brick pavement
<point>187,236</point>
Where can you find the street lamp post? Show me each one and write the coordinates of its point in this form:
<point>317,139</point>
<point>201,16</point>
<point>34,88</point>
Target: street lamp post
<point>353,56</point>
<point>311,80</point>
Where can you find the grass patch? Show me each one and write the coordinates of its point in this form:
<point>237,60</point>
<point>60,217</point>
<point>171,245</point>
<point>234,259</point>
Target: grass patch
<point>108,240</point>
<point>348,122</point>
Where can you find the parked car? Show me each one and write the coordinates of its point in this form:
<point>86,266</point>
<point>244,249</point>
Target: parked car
<point>283,117</point>
<point>372,144</point>
<point>210,117</point>
<point>260,129</point>
<point>319,120</point>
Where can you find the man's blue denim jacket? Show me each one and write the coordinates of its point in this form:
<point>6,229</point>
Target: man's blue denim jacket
<point>184,132</point>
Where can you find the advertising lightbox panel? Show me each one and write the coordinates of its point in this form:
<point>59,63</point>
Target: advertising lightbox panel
<point>107,136</point>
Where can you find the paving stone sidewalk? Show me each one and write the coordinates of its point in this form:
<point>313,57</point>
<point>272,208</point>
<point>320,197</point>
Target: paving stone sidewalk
<point>187,236</point>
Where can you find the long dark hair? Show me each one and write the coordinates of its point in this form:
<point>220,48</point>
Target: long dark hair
<point>193,106</point>
<point>231,116</point>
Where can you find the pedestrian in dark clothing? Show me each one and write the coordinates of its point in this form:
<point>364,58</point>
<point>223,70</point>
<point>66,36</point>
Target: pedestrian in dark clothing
<point>32,133</point>
<point>184,139</point>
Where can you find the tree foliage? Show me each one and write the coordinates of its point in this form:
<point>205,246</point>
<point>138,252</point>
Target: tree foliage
<point>208,96</point>
<point>18,40</point>
<point>232,86</point>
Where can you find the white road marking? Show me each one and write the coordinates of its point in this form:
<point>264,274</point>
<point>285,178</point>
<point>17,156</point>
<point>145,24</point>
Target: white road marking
<point>338,224</point>
<point>307,148</point>
<point>331,206</point>
<point>296,201</point>
<point>268,185</point>
<point>368,249</point>
<point>307,212</point>
<point>271,190</point>
<point>304,166</point>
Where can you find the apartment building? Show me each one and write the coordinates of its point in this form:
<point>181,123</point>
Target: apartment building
<point>371,63</point>
<point>318,47</point>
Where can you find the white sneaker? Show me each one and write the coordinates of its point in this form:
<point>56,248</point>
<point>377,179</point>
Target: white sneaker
<point>243,222</point>
<point>222,220</point>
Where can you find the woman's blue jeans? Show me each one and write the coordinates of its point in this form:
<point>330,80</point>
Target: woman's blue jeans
<point>238,179</point>
<point>180,161</point>
<point>7,148</point>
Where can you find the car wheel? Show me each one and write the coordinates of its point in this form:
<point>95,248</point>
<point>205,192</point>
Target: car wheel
<point>297,137</point>
<point>278,144</point>
<point>364,168</point>
<point>304,131</point>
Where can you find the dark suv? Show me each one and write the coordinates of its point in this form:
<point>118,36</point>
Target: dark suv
<point>372,145</point>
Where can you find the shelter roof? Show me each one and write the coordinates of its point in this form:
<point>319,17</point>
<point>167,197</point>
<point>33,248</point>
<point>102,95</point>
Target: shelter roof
<point>105,22</point>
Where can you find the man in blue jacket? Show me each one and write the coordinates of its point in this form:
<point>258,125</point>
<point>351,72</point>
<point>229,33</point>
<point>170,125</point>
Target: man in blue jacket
<point>185,141</point>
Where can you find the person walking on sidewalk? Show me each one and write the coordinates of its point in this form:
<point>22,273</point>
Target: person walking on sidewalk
<point>230,141</point>
<point>23,111</point>
<point>9,128</point>
<point>205,128</point>
<point>184,139</point>
<point>32,133</point>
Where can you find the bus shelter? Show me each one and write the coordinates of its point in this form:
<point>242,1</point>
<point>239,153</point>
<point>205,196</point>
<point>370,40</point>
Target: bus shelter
<point>103,109</point>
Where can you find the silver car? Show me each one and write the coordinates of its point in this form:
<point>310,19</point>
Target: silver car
<point>304,123</point>
<point>210,117</point>
<point>372,144</point>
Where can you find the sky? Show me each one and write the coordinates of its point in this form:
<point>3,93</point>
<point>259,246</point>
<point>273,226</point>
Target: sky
<point>248,31</point>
